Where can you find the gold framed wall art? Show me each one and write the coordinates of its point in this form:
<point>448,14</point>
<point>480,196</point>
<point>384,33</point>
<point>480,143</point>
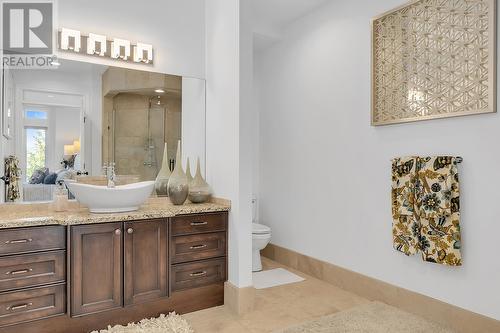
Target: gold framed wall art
<point>433,59</point>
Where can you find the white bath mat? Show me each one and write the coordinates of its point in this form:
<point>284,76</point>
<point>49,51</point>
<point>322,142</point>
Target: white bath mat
<point>273,278</point>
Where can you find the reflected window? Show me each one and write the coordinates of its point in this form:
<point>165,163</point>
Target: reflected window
<point>35,114</point>
<point>36,154</point>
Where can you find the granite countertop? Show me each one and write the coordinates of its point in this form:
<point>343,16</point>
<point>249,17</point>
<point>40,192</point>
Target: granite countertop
<point>28,215</point>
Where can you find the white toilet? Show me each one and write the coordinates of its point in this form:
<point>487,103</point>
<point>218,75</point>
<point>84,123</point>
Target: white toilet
<point>261,235</point>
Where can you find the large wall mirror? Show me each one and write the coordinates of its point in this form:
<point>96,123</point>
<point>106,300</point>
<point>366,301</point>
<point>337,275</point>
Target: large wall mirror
<point>72,120</point>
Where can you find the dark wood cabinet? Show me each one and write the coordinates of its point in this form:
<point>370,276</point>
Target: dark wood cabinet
<point>96,268</point>
<point>34,239</point>
<point>85,277</point>
<point>30,304</point>
<point>145,275</point>
<point>197,247</point>
<point>31,270</point>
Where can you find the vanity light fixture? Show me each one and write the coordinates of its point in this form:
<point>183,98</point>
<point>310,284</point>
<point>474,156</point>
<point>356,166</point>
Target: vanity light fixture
<point>92,42</point>
<point>68,36</point>
<point>116,48</point>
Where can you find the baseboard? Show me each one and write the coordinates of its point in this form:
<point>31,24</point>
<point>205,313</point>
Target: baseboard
<point>456,318</point>
<point>239,300</point>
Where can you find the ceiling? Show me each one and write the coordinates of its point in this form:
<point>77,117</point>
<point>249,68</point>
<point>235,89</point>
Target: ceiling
<point>271,17</point>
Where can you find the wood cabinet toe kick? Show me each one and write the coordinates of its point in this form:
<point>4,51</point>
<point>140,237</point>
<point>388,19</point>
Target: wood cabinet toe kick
<point>85,277</point>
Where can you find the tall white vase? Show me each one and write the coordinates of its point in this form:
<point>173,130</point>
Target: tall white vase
<point>178,187</point>
<point>163,176</point>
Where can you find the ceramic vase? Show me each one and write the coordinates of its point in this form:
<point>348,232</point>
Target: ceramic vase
<point>163,176</point>
<point>199,190</point>
<point>178,187</point>
<point>188,172</point>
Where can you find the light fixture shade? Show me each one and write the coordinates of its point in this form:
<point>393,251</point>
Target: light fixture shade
<point>140,49</point>
<point>69,150</point>
<point>66,34</point>
<point>116,46</point>
<point>76,146</point>
<point>92,41</point>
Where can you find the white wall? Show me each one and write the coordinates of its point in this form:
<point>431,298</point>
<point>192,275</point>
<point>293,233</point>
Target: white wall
<point>176,29</point>
<point>226,140</point>
<point>66,129</point>
<point>193,123</point>
<point>325,175</point>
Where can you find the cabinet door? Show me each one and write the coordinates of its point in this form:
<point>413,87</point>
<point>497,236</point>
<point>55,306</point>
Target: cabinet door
<point>96,268</point>
<point>145,260</point>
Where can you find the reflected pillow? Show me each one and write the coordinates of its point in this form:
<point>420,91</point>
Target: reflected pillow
<point>50,179</point>
<point>39,175</point>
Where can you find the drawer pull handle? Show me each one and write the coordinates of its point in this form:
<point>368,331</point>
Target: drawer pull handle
<point>130,231</point>
<point>197,247</point>
<point>118,232</point>
<point>19,307</point>
<point>196,224</point>
<point>20,271</point>
<point>19,241</point>
<point>202,273</point>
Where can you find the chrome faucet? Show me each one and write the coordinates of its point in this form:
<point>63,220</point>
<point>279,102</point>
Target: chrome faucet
<point>109,171</point>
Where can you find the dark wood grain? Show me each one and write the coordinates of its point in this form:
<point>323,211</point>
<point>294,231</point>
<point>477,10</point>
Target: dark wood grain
<point>145,275</point>
<point>29,270</point>
<point>197,247</point>
<point>198,273</point>
<point>198,223</point>
<point>25,240</point>
<point>96,268</point>
<point>30,304</point>
<point>180,302</point>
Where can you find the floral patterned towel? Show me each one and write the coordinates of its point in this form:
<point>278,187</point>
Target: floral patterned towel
<point>432,195</point>
<point>403,190</point>
<point>13,172</point>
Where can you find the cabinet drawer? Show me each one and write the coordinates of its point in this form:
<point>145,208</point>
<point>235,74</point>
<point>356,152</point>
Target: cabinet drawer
<point>22,240</point>
<point>30,304</point>
<point>199,223</point>
<point>196,247</point>
<point>30,270</point>
<point>197,274</point>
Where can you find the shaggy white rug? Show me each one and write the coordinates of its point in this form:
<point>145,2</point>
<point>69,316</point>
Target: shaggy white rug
<point>171,323</point>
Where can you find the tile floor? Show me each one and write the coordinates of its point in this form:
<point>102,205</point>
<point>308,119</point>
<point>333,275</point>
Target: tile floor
<point>278,307</point>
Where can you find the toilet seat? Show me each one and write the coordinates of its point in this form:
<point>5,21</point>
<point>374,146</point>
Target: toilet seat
<point>260,229</point>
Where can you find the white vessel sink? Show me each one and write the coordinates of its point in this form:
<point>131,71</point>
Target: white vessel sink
<point>101,199</point>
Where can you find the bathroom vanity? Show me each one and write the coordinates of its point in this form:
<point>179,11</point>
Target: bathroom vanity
<point>78,272</point>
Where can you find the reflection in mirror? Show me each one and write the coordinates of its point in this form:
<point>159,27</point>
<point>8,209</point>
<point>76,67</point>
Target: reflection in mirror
<point>141,112</point>
<point>73,120</point>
